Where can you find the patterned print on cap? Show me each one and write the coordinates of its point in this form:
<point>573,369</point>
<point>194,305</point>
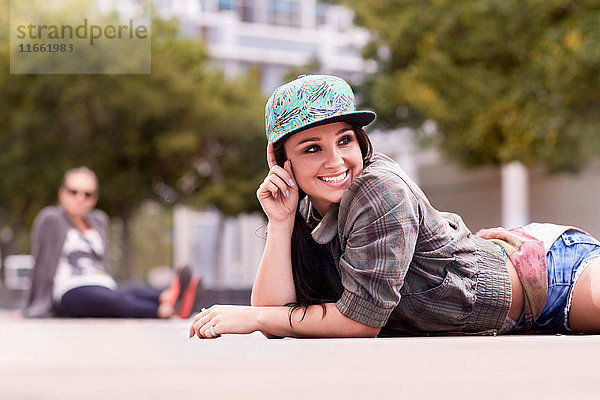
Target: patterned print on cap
<point>305,101</point>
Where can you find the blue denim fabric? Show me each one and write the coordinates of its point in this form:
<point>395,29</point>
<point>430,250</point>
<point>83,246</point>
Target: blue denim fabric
<point>566,259</point>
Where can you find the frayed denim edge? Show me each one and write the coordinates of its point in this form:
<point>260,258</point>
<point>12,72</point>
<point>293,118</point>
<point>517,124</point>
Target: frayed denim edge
<point>582,267</point>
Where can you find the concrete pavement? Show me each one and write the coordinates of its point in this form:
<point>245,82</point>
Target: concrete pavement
<point>61,359</point>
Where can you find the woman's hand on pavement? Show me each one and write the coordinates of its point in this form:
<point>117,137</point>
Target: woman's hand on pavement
<point>224,319</point>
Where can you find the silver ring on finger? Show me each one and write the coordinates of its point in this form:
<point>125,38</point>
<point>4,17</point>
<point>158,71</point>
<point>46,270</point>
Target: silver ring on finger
<point>212,331</point>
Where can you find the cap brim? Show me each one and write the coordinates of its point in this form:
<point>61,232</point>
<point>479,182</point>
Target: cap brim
<point>360,118</point>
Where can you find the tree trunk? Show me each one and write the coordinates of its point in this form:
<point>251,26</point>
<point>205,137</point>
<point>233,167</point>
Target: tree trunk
<point>2,257</point>
<point>217,176</point>
<point>126,266</point>
<point>218,251</point>
<point>6,243</point>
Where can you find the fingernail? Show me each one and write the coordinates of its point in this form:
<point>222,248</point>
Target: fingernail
<point>287,193</point>
<point>291,182</point>
<point>275,195</point>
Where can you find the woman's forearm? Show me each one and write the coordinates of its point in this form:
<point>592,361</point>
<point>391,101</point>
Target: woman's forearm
<point>275,322</point>
<point>274,284</point>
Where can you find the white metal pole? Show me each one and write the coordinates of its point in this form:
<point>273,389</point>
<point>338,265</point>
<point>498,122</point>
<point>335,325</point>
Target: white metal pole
<point>515,195</point>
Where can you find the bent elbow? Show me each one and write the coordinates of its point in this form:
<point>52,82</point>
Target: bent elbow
<point>256,301</point>
<point>253,301</point>
<point>269,336</point>
<point>367,331</point>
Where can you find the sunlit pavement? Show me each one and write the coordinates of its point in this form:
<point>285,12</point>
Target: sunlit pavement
<point>140,359</point>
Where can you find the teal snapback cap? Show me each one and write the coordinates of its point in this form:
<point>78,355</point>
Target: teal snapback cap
<point>309,101</point>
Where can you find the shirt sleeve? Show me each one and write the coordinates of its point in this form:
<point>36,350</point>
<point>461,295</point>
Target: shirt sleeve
<point>379,220</point>
<point>46,244</point>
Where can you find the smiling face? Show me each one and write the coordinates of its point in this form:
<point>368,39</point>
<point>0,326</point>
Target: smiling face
<point>325,160</point>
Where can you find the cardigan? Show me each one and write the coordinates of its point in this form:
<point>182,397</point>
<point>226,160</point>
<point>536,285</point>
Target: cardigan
<point>47,238</point>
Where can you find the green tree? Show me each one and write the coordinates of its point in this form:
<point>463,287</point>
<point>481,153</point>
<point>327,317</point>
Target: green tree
<point>181,132</point>
<point>503,80</point>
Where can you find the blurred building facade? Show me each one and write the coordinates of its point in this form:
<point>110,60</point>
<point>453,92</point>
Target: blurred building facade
<point>275,35</point>
<point>269,36</point>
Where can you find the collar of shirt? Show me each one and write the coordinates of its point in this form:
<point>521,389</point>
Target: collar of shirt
<point>324,229</point>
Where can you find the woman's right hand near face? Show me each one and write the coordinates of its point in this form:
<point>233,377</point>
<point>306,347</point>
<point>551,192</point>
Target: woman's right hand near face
<point>278,194</point>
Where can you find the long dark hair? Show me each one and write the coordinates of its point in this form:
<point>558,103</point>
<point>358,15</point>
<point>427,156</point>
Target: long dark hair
<point>315,275</point>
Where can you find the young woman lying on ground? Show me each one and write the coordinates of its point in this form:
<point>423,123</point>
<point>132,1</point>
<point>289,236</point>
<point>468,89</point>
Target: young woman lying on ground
<point>355,249</point>
<point>70,277</point>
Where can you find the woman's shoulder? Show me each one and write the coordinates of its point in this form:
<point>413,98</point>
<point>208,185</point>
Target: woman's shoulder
<point>383,167</point>
<point>382,187</point>
<point>49,213</point>
<point>49,220</point>
<point>97,216</point>
<point>382,176</point>
<point>97,213</point>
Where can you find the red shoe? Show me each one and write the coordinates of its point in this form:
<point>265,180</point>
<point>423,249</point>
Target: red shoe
<point>189,298</point>
<point>180,281</point>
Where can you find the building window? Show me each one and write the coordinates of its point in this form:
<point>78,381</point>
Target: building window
<point>320,15</point>
<point>247,11</point>
<point>227,5</point>
<point>284,12</point>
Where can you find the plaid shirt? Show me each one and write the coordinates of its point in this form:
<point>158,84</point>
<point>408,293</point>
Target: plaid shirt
<point>406,267</point>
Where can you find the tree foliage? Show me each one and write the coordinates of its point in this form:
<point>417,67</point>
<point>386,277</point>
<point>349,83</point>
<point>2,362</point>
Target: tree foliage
<point>181,133</point>
<point>503,80</point>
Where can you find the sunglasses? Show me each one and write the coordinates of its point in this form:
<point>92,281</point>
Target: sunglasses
<point>74,192</point>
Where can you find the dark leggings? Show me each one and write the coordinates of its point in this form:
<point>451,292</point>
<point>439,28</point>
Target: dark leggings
<point>99,301</point>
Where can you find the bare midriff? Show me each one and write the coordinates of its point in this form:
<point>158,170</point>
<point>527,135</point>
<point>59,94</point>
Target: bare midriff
<point>516,306</point>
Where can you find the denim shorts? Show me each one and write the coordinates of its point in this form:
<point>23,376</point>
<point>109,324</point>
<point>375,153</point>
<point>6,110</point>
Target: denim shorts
<point>568,257</point>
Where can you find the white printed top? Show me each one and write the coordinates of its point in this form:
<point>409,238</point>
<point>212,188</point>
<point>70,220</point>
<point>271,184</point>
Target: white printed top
<point>81,263</point>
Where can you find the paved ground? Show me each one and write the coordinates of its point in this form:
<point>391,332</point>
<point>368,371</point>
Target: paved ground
<point>131,359</point>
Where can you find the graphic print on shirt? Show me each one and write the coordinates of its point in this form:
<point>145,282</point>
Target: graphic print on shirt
<point>84,252</point>
<point>82,263</point>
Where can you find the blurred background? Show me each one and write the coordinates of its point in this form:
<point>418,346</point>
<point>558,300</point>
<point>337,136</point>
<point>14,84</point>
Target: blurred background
<point>493,107</point>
